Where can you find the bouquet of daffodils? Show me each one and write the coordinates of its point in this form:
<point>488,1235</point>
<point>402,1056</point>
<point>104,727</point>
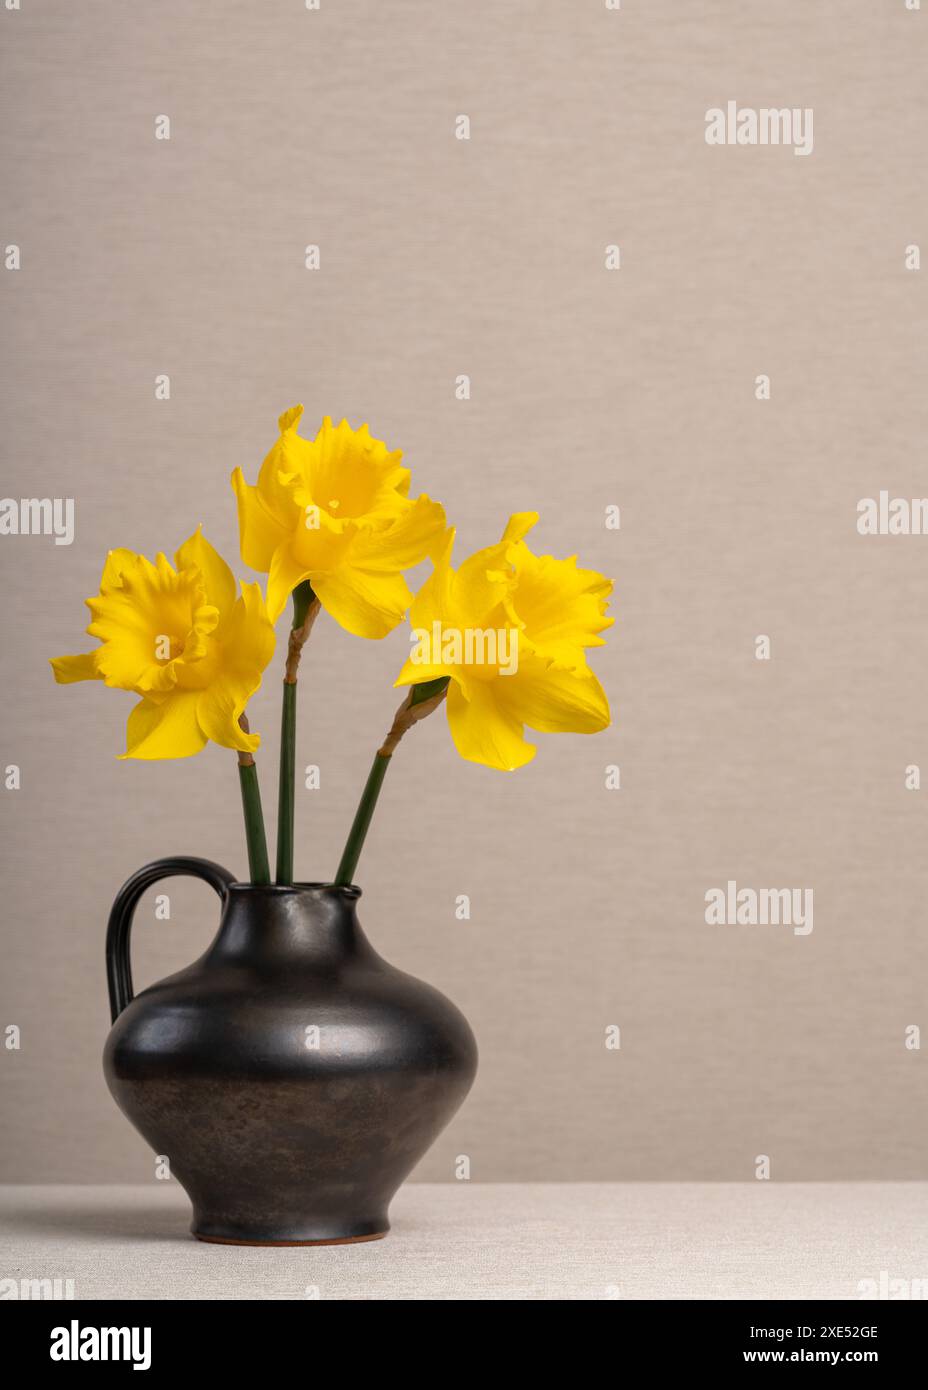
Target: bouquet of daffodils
<point>501,640</point>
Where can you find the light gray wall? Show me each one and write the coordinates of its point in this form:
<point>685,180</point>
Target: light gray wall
<point>441,257</point>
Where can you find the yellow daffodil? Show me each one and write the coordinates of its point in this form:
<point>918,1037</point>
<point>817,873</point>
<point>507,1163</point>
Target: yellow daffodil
<point>335,510</point>
<point>510,629</point>
<point>182,640</point>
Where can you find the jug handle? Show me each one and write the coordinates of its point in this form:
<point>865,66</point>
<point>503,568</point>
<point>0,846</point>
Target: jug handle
<point>118,965</point>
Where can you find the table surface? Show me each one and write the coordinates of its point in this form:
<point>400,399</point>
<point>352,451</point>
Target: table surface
<point>757,1240</point>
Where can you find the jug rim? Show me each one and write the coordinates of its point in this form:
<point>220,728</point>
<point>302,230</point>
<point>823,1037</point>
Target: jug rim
<point>349,891</point>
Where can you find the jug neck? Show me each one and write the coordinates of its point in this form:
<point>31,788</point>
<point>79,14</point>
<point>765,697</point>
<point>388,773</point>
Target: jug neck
<point>306,922</point>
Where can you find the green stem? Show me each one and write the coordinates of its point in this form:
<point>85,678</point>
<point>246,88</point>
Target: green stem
<point>362,820</point>
<point>305,608</point>
<point>258,866</point>
<point>286,784</point>
<point>419,703</point>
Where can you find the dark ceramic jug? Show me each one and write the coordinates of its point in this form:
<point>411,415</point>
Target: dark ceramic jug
<point>292,1077</point>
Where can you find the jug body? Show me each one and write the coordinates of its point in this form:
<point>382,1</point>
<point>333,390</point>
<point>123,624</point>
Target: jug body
<point>291,1075</point>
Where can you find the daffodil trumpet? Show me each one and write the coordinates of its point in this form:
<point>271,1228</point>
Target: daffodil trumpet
<point>305,611</point>
<point>421,701</point>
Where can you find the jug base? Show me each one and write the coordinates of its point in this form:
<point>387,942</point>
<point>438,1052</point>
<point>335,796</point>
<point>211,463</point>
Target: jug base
<point>326,1240</point>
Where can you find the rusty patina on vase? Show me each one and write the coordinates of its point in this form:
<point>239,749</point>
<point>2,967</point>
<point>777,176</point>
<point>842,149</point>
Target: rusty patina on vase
<point>292,1077</point>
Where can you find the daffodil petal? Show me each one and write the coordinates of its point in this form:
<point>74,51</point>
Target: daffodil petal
<point>480,587</point>
<point>553,701</point>
<point>417,672</point>
<point>69,669</point>
<point>366,604</point>
<point>433,599</point>
<point>247,647</point>
<point>117,561</point>
<point>167,730</point>
<point>414,536</point>
<point>260,532</point>
<point>290,419</point>
<point>284,573</point>
<point>218,711</point>
<point>248,641</point>
<point>518,526</point>
<point>218,579</point>
<point>483,730</point>
<point>289,460</point>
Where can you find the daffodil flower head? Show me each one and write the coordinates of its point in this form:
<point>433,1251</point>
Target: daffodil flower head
<point>546,611</point>
<point>182,640</point>
<point>335,510</point>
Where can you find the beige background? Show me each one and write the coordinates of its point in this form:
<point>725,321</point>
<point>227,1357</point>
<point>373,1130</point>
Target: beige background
<point>441,257</point>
